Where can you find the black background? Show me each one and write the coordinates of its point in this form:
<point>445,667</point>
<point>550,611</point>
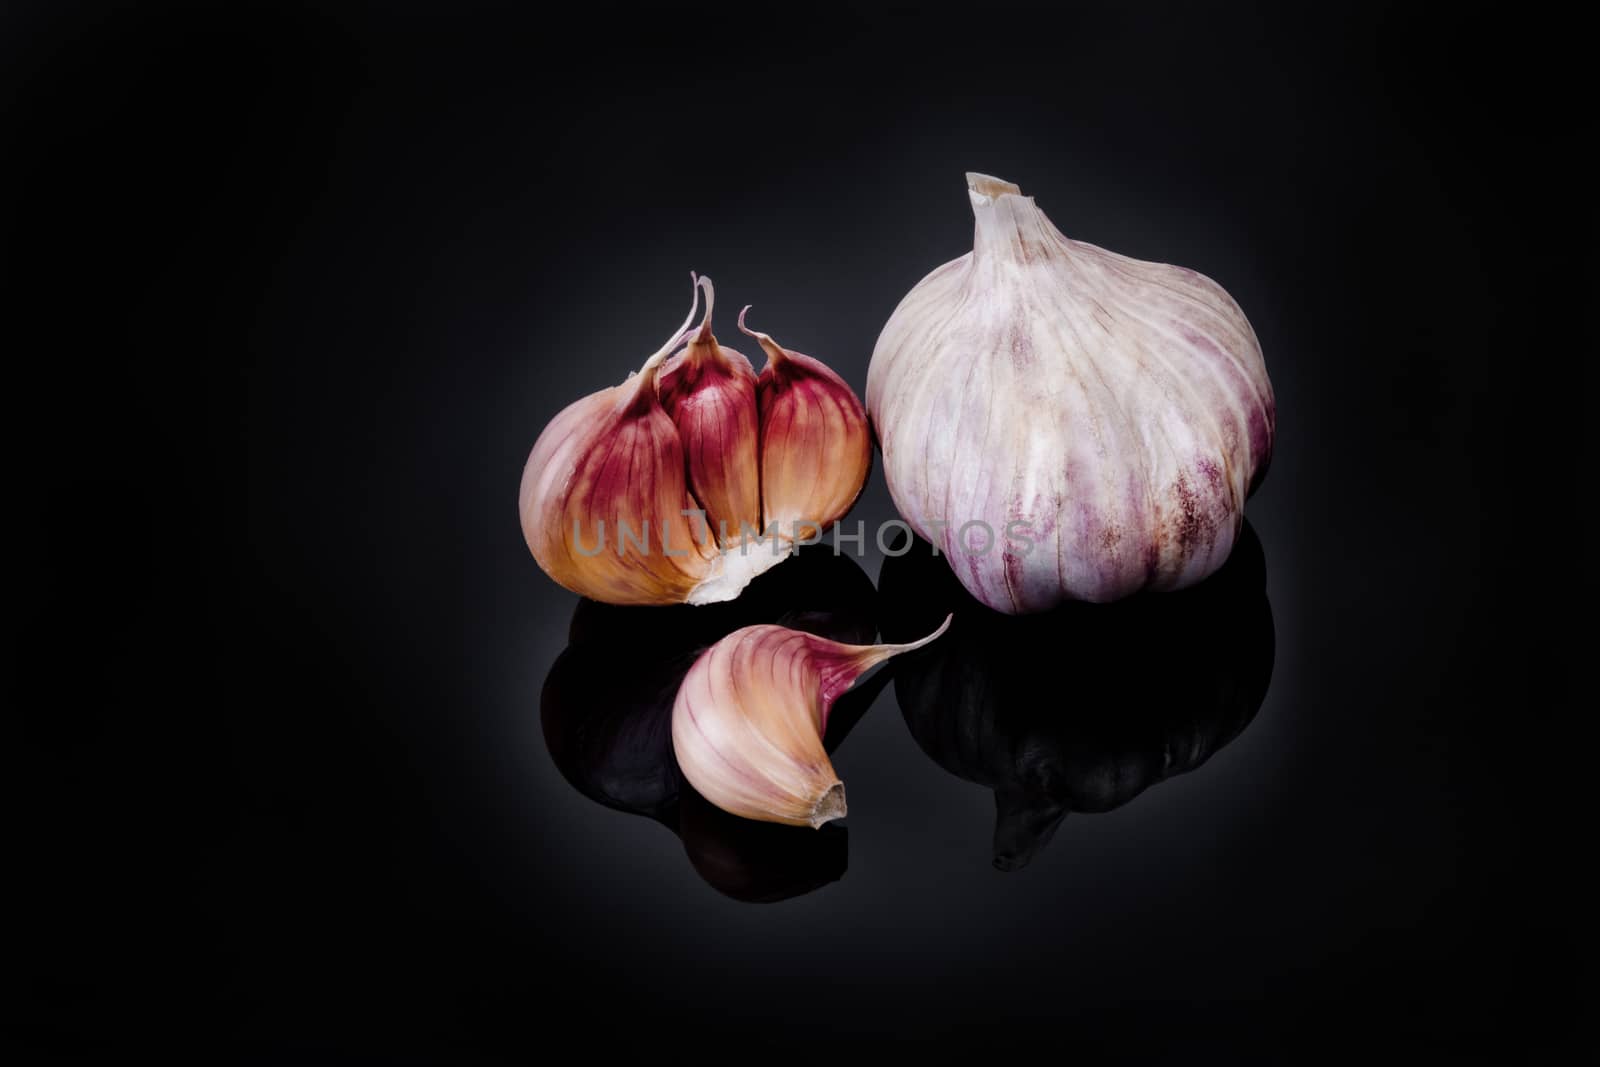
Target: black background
<point>294,289</point>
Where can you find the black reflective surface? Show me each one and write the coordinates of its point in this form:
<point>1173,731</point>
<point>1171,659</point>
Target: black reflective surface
<point>1083,708</point>
<point>292,290</point>
<point>607,715</point>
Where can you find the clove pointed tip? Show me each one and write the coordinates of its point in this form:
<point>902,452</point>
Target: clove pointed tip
<point>829,806</point>
<point>914,645</point>
<point>704,333</point>
<point>774,351</point>
<point>647,373</point>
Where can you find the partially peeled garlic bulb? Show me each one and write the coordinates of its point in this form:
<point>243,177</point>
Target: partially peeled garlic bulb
<point>695,475</point>
<point>1066,423</point>
<point>748,721</point>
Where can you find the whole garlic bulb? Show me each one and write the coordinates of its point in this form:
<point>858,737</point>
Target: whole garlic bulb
<point>1092,423</point>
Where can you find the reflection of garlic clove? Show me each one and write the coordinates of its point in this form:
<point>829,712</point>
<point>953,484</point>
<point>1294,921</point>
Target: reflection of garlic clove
<point>1096,421</point>
<point>603,496</point>
<point>815,446</point>
<point>710,392</point>
<point>748,721</point>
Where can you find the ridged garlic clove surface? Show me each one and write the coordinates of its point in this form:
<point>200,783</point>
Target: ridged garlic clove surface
<point>1102,417</point>
<point>816,448</point>
<point>748,721</point>
<point>710,392</point>
<point>604,496</point>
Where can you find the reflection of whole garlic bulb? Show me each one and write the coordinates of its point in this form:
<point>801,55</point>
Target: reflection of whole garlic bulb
<point>985,703</point>
<point>1066,423</point>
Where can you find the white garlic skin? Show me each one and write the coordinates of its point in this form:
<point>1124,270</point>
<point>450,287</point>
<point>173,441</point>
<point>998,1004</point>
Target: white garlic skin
<point>1118,410</point>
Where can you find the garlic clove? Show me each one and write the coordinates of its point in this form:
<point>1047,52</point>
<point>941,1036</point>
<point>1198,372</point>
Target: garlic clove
<point>604,498</point>
<point>710,392</point>
<point>749,718</point>
<point>815,445</point>
<point>609,731</point>
<point>1118,411</point>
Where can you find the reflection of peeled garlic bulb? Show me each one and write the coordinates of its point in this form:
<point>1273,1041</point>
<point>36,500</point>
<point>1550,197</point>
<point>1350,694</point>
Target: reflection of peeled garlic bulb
<point>693,476</point>
<point>1107,416</point>
<point>748,721</point>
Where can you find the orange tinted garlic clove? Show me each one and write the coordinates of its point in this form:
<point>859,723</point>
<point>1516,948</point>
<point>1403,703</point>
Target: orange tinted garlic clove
<point>710,392</point>
<point>748,721</point>
<point>815,445</point>
<point>604,498</point>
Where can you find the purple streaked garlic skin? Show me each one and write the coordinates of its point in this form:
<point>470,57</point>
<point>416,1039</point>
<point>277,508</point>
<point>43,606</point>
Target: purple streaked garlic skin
<point>1113,414</point>
<point>749,718</point>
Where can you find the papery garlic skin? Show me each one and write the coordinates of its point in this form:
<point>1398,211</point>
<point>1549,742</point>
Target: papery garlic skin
<point>748,721</point>
<point>710,393</point>
<point>816,448</point>
<point>1115,413</point>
